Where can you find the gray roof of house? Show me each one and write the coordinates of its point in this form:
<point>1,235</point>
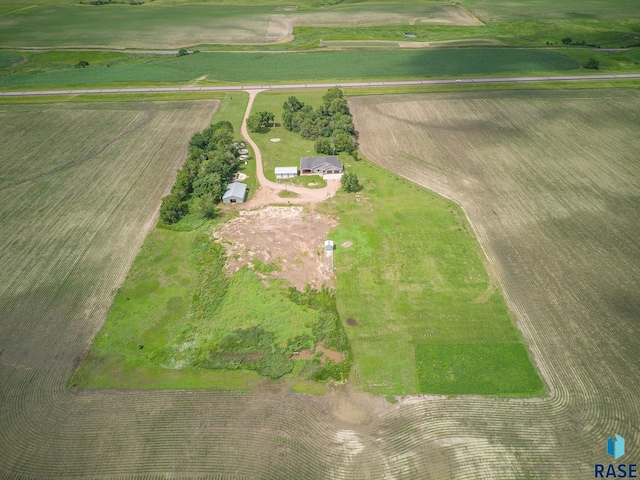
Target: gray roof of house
<point>235,189</point>
<point>309,163</point>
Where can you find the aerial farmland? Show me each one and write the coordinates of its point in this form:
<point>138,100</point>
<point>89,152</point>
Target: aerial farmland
<point>464,303</point>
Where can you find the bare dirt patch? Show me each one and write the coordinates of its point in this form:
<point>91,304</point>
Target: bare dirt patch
<point>291,238</point>
<point>307,354</point>
<point>347,244</point>
<point>352,322</point>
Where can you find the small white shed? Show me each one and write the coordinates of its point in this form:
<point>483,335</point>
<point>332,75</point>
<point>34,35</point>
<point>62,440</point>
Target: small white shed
<point>286,172</point>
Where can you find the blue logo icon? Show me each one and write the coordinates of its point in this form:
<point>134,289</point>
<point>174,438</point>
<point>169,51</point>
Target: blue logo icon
<point>615,446</point>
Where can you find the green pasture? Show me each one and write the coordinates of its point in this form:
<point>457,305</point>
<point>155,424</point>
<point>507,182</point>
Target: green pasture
<point>265,68</point>
<point>415,283</point>
<point>490,369</point>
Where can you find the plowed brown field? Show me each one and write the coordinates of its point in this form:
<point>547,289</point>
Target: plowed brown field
<point>551,183</point>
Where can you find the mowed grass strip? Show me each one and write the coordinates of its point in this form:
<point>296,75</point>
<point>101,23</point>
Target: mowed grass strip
<point>490,369</point>
<point>414,276</point>
<point>263,68</point>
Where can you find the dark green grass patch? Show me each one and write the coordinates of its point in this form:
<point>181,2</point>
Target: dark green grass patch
<point>8,59</point>
<point>262,68</point>
<point>476,368</point>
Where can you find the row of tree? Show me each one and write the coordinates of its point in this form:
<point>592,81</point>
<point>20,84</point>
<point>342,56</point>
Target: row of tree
<point>201,182</point>
<point>331,125</point>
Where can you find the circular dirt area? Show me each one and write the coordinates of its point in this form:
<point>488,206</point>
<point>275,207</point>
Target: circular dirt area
<point>275,140</point>
<point>352,322</point>
<point>347,244</point>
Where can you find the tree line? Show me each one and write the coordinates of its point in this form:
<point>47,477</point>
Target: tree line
<point>331,125</point>
<point>201,182</point>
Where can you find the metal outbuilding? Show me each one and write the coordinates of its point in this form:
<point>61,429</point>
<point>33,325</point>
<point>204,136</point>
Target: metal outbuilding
<point>236,193</point>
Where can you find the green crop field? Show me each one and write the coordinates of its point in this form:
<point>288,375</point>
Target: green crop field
<point>247,68</point>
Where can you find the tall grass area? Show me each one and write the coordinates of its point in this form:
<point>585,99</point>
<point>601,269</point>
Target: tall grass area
<point>178,312</point>
<point>427,317</point>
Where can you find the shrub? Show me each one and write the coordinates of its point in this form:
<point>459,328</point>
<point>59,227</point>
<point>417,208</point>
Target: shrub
<point>350,183</point>
<point>592,64</point>
<point>172,209</point>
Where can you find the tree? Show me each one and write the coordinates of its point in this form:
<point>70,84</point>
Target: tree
<point>325,145</point>
<point>567,41</point>
<point>350,183</point>
<point>592,64</point>
<point>292,104</point>
<point>82,64</point>
<point>182,52</point>
<point>208,184</point>
<point>206,206</point>
<point>172,209</point>
<point>260,121</point>
<point>332,93</point>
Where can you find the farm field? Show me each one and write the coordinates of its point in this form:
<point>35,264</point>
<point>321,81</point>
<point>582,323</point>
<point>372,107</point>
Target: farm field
<point>549,183</point>
<point>515,10</point>
<point>265,68</point>
<point>48,430</point>
<point>159,26</point>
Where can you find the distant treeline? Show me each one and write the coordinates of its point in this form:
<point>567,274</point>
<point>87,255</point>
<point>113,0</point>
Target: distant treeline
<point>201,182</point>
<point>331,126</point>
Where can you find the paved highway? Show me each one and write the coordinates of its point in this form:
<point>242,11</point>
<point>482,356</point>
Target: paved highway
<point>399,83</point>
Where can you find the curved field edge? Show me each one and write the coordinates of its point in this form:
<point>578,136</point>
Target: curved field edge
<point>411,278</point>
<point>547,179</point>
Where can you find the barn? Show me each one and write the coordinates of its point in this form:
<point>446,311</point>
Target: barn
<point>236,193</point>
<point>286,172</point>
<point>320,165</point>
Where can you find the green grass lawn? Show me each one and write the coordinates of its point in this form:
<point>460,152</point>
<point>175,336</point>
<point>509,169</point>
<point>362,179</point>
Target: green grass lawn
<point>491,369</point>
<point>261,68</point>
<point>292,146</point>
<point>415,283</point>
